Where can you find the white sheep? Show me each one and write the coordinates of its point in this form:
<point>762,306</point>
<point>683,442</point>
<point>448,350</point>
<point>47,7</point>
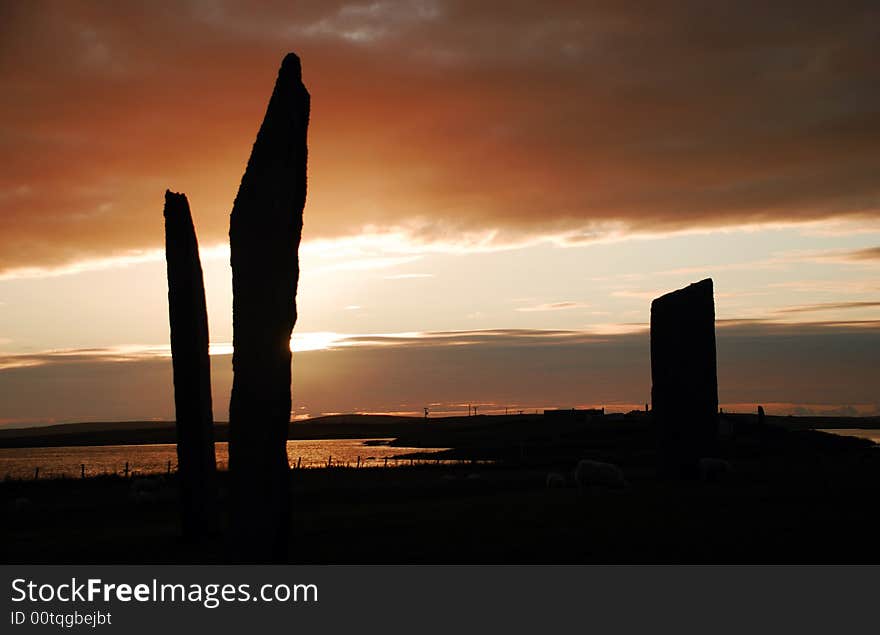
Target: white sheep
<point>21,504</point>
<point>555,480</point>
<point>144,490</point>
<point>712,469</point>
<point>589,474</point>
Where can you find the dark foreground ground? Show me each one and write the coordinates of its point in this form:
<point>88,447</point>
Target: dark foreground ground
<point>793,496</point>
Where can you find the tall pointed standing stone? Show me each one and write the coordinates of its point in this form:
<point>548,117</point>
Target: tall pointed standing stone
<point>188,316</point>
<point>684,392</point>
<point>264,235</point>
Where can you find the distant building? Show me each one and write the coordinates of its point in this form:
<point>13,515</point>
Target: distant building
<point>574,413</point>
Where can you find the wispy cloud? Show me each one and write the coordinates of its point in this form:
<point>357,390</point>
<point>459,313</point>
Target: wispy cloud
<point>871,253</point>
<point>841,227</point>
<point>867,256</point>
<point>639,294</point>
<point>359,264</point>
<point>409,276</point>
<point>83,266</point>
<point>319,341</point>
<point>553,306</point>
<point>845,287</point>
<point>83,355</point>
<point>829,306</point>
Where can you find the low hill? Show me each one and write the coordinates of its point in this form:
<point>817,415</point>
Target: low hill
<point>476,431</point>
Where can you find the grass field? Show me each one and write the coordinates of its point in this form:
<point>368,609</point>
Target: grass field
<point>792,496</point>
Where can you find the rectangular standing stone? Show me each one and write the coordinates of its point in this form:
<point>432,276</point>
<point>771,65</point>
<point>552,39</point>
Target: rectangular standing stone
<point>684,390</point>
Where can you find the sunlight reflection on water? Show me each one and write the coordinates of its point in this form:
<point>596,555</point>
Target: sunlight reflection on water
<point>871,435</point>
<point>153,459</point>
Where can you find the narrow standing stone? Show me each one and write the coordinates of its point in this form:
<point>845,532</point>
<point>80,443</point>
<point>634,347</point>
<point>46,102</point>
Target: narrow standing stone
<point>264,235</point>
<point>192,371</point>
<point>684,393</point>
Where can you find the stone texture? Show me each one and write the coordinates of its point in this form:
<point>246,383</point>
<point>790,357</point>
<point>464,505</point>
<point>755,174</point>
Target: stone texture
<point>192,370</point>
<point>264,235</point>
<point>684,390</point>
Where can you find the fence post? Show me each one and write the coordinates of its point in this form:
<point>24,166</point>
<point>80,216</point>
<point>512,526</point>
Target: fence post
<point>36,473</point>
<point>298,461</point>
<point>82,470</point>
<point>359,462</point>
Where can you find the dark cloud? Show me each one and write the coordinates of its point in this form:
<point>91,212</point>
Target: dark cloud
<point>437,117</point>
<point>758,362</point>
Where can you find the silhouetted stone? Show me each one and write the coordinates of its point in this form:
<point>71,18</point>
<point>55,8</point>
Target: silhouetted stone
<point>192,370</point>
<point>684,393</point>
<point>264,234</point>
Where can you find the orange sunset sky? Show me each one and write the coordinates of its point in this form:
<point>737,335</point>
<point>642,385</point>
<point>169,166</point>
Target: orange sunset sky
<point>496,192</point>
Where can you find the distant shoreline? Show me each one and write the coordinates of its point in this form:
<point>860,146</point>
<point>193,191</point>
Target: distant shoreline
<point>160,432</point>
<point>352,426</point>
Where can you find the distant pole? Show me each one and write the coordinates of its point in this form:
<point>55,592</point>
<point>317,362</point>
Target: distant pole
<point>386,462</point>
<point>82,470</point>
<point>426,413</point>
<point>126,469</point>
<point>36,473</point>
<point>358,462</point>
<point>169,467</point>
<point>329,461</point>
<point>298,461</point>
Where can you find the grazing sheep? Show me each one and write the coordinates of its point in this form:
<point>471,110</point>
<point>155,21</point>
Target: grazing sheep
<point>21,504</point>
<point>590,474</point>
<point>555,479</point>
<point>713,470</point>
<point>144,490</point>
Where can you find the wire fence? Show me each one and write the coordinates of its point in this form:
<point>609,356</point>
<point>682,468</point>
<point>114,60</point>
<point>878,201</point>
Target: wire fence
<point>131,469</point>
